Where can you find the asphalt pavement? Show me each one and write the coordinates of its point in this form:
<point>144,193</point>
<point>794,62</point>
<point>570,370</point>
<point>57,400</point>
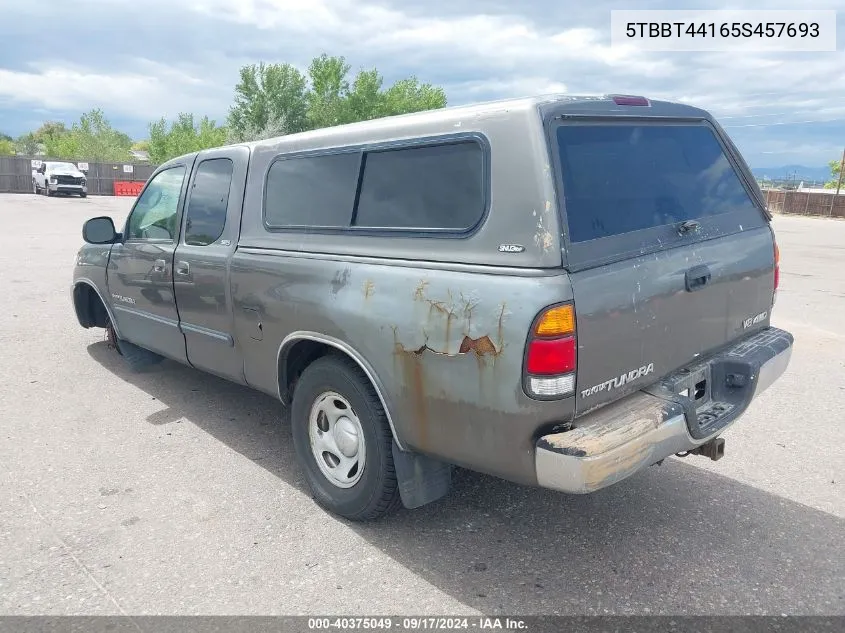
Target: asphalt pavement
<point>175,492</point>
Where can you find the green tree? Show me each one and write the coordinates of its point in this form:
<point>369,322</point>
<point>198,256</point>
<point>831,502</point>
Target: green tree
<point>49,133</point>
<point>141,146</point>
<point>835,166</point>
<point>27,145</point>
<point>7,147</point>
<point>92,138</point>
<point>327,97</point>
<point>182,136</point>
<point>276,99</point>
<point>267,97</point>
<point>5,137</point>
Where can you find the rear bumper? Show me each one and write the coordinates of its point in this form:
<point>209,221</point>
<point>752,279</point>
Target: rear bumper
<point>643,428</point>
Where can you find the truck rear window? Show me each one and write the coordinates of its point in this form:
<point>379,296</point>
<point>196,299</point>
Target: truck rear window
<point>620,178</point>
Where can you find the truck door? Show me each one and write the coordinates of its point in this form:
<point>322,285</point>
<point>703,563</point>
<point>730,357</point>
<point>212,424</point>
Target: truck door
<point>209,236</point>
<point>140,272</point>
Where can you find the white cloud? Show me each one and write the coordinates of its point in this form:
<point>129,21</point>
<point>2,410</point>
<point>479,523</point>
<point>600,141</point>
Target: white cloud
<point>476,50</point>
<point>151,91</point>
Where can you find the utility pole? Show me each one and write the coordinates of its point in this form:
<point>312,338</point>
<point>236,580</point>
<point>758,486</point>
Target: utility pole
<point>838,182</point>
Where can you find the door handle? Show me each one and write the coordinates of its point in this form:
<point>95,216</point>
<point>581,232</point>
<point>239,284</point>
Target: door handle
<point>697,277</point>
<point>183,268</point>
<point>159,265</point>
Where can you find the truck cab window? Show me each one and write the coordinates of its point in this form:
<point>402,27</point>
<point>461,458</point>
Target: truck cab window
<point>208,202</point>
<point>154,215</point>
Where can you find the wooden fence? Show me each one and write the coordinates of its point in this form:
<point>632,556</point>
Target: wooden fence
<point>16,174</point>
<point>806,203</point>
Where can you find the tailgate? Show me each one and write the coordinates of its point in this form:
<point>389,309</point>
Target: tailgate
<point>670,256</point>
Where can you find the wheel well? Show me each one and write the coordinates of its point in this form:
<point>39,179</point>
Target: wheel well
<point>294,361</point>
<point>90,310</point>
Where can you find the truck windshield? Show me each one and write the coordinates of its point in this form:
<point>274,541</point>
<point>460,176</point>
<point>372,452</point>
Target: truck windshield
<point>619,178</point>
<point>62,166</point>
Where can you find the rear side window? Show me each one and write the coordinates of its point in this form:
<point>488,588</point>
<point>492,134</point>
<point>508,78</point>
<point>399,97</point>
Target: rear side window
<point>623,178</point>
<point>430,187</point>
<point>312,190</point>
<point>208,202</point>
<point>422,187</point>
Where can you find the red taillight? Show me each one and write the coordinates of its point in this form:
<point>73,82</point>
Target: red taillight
<point>777,265</point>
<point>629,100</point>
<point>551,357</point>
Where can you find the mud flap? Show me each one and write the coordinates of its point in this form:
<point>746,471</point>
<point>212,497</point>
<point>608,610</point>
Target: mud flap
<point>136,357</point>
<point>421,479</point>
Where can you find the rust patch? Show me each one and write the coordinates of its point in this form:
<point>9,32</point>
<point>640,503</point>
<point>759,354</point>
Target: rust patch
<point>414,375</point>
<point>482,346</point>
<point>369,289</point>
<point>419,291</point>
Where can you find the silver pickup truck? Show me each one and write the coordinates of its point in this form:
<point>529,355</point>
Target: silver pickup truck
<point>557,291</point>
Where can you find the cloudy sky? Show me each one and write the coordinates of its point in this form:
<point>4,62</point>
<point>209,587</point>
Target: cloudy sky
<point>142,59</point>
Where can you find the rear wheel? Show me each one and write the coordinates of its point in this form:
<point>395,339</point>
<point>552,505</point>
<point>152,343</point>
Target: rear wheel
<point>343,440</point>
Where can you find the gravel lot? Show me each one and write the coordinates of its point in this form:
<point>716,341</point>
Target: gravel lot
<point>174,492</point>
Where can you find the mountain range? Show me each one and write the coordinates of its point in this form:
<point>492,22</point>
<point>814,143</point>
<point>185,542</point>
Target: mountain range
<point>792,172</point>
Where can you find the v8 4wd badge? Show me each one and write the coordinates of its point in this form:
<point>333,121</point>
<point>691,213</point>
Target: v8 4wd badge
<point>754,320</point>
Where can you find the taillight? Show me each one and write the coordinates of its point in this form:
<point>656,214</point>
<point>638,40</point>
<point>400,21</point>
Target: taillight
<point>548,358</point>
<point>551,353</point>
<point>777,272</point>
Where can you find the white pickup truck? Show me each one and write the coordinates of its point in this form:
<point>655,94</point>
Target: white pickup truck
<point>59,177</point>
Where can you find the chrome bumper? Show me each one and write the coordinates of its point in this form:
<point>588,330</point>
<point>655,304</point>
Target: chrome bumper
<point>641,429</point>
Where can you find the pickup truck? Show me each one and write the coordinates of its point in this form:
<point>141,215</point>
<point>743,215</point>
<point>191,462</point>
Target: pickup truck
<point>59,177</point>
<point>558,291</point>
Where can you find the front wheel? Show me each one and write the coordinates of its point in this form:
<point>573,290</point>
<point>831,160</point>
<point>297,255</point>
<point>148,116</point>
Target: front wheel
<point>34,187</point>
<point>83,195</point>
<point>343,440</point>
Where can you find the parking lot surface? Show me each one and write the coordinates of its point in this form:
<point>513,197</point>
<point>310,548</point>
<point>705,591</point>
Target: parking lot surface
<point>175,492</point>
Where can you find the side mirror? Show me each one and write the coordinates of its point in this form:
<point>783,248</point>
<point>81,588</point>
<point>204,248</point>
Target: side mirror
<point>99,231</point>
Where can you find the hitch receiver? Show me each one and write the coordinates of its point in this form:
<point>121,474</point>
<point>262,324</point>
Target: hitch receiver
<point>714,449</point>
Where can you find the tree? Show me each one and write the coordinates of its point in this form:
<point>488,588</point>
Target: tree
<point>268,95</point>
<point>141,146</point>
<point>835,166</point>
<point>7,147</point>
<point>49,132</point>
<point>276,99</point>
<point>27,145</point>
<point>92,138</point>
<point>5,137</point>
<point>183,136</point>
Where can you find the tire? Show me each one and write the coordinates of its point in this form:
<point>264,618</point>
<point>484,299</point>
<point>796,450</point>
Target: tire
<point>83,195</point>
<point>34,186</point>
<point>47,191</point>
<point>372,491</point>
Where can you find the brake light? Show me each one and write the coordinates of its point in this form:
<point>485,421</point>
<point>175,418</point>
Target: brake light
<point>551,353</point>
<point>777,265</point>
<point>630,100</point>
<point>548,358</point>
